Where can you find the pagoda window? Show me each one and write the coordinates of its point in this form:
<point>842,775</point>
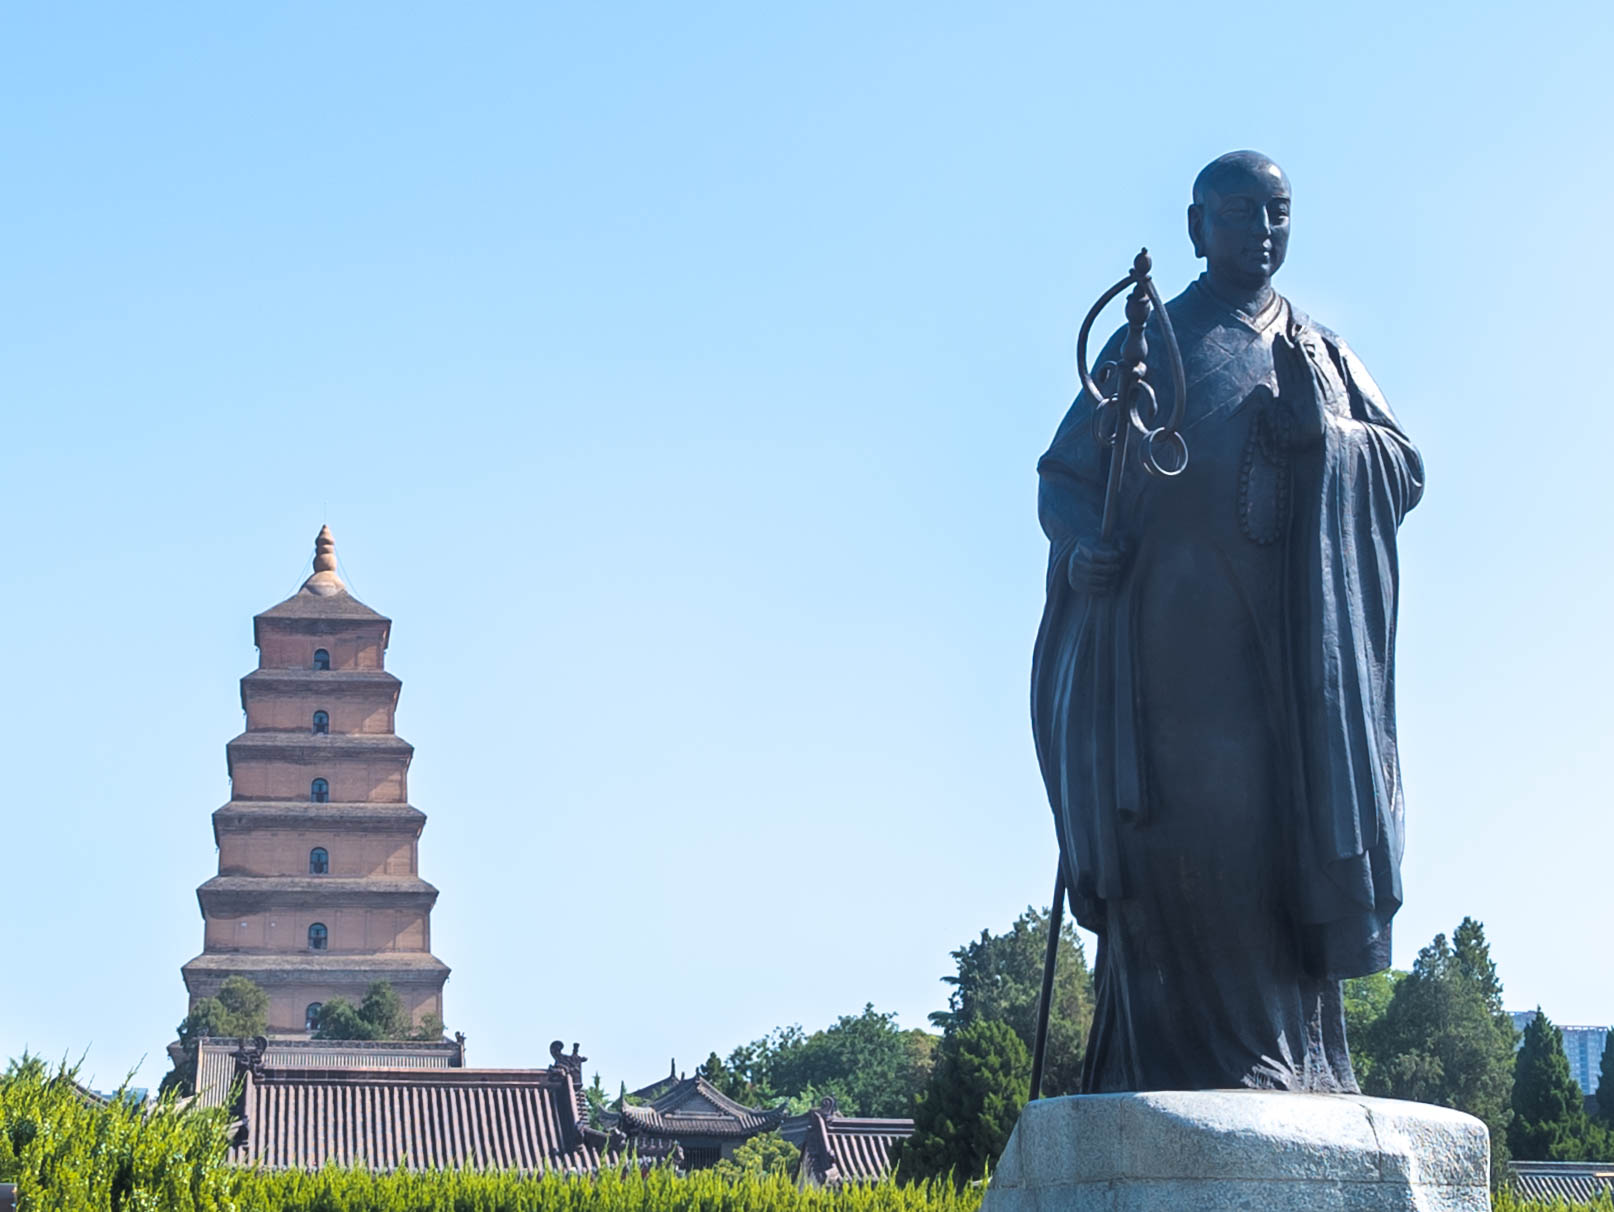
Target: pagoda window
<point>318,936</point>
<point>319,862</point>
<point>319,791</point>
<point>322,659</point>
<point>322,723</point>
<point>311,1016</point>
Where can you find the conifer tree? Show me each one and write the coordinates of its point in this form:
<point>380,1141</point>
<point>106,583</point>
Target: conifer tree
<point>964,1116</point>
<point>1000,978</point>
<point>1605,1084</point>
<point>1445,1039</point>
<point>1549,1115</point>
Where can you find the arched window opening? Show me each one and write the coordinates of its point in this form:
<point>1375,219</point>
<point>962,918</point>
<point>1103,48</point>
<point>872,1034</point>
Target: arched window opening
<point>319,791</point>
<point>311,1016</point>
<point>319,862</point>
<point>322,723</point>
<point>322,659</point>
<point>318,936</point>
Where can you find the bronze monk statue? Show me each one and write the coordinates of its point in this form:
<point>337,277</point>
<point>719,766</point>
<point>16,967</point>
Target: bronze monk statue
<point>1213,688</point>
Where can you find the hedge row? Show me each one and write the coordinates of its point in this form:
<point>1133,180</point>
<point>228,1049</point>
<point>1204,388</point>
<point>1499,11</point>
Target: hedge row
<point>69,1153</point>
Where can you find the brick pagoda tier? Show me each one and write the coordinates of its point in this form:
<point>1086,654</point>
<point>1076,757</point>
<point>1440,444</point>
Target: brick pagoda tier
<point>318,892</point>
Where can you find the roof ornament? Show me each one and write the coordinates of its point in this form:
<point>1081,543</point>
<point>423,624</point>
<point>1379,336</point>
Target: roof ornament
<point>324,583</point>
<point>249,1056</point>
<point>572,1063</point>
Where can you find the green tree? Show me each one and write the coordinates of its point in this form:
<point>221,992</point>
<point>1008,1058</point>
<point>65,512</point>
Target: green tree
<point>1605,1086</point>
<point>865,1061</point>
<point>599,1102</point>
<point>964,1116</point>
<point>1472,955</point>
<point>1549,1112</point>
<point>239,1009</point>
<point>747,1075</point>
<point>1445,1039</point>
<point>763,1154</point>
<point>340,1019</point>
<point>1366,1000</point>
<point>999,978</point>
<point>379,1016</point>
<point>870,1064</point>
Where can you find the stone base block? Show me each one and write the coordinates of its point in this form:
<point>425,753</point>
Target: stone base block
<point>1249,1150</point>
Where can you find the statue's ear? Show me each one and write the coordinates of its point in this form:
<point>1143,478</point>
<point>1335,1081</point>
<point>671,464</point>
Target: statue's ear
<point>1196,220</point>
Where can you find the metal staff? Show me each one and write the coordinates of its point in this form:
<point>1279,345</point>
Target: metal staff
<point>1132,405</point>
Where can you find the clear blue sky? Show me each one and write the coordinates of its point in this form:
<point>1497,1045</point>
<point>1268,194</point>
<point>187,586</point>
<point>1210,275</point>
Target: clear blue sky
<point>674,376</point>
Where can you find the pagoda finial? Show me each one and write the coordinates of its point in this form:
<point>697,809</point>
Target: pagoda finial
<point>324,582</point>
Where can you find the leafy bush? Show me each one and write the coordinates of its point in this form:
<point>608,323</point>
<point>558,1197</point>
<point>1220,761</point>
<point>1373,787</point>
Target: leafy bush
<point>69,1153</point>
<point>1506,1201</point>
<point>764,1153</point>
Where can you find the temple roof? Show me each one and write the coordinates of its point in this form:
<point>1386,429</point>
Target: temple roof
<point>696,1108</point>
<point>324,595</point>
<point>414,1119</point>
<point>839,1148</point>
<point>1570,1182</point>
<point>216,1068</point>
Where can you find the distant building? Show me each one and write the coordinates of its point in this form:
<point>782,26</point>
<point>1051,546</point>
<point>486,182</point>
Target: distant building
<point>704,1124</point>
<point>838,1148</point>
<point>1582,1045</point>
<point>318,892</point>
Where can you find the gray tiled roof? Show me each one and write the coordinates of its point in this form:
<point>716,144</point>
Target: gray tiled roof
<point>696,1108</point>
<point>1572,1182</point>
<point>215,1059</point>
<point>421,1119</point>
<point>842,1148</point>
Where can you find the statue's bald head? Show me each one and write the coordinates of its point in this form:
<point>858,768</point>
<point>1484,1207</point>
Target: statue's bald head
<point>1239,220</point>
<point>1248,165</point>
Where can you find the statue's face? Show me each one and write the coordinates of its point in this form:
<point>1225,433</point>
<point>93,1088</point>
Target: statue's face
<point>1242,227</point>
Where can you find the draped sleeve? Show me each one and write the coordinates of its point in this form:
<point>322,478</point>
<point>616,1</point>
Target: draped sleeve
<point>1354,487</point>
<point>1079,643</point>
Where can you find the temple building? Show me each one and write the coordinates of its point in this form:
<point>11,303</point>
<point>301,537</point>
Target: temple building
<point>318,892</point>
<point>698,1120</point>
<point>290,1114</point>
<point>837,1149</point>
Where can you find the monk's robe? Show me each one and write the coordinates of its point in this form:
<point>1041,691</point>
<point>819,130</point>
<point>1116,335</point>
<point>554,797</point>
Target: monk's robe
<point>1217,733</point>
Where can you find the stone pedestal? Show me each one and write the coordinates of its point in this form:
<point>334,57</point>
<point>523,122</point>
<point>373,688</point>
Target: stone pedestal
<point>1250,1150</point>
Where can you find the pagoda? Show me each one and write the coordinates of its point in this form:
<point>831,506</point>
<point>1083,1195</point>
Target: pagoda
<point>318,892</point>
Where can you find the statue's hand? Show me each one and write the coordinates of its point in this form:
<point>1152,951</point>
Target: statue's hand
<point>1095,566</point>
